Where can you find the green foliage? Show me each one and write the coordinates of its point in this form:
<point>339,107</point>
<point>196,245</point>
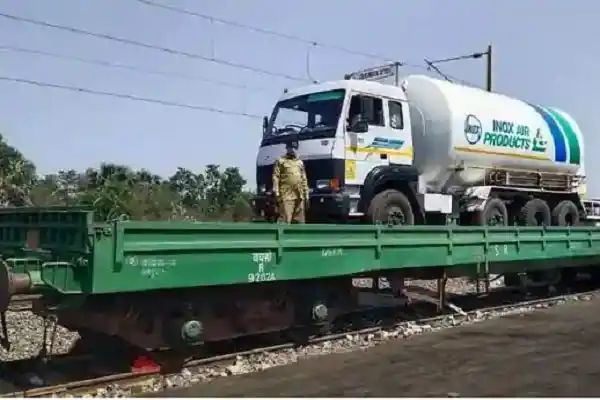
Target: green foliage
<point>117,191</point>
<point>17,176</point>
<point>242,211</point>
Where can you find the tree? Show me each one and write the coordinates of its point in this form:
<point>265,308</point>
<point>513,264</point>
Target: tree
<point>109,190</point>
<point>114,190</point>
<point>17,176</point>
<point>213,183</point>
<point>148,178</point>
<point>230,188</point>
<point>67,187</point>
<point>242,211</point>
<point>212,193</point>
<point>43,191</point>
<point>190,187</point>
<point>221,190</point>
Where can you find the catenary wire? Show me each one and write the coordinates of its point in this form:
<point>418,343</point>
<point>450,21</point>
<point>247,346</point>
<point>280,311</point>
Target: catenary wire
<point>445,75</point>
<point>263,30</point>
<point>188,54</point>
<point>110,64</point>
<point>125,96</point>
<point>149,46</point>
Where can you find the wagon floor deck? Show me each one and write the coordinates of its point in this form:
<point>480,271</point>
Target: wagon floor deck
<point>551,352</point>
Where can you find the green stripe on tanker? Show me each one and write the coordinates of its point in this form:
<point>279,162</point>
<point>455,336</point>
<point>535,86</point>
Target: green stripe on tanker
<point>574,149</point>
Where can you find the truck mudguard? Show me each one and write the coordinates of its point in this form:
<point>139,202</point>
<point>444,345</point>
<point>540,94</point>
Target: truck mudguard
<point>389,176</point>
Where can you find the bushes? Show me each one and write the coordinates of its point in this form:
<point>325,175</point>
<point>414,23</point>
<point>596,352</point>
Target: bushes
<point>116,190</point>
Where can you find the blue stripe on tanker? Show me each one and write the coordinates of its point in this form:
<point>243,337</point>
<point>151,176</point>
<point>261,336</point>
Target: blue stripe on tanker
<point>560,147</point>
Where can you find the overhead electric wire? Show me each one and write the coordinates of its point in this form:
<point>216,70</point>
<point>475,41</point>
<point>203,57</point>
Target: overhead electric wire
<point>110,64</point>
<point>454,79</point>
<point>466,56</point>
<point>436,69</point>
<point>446,76</point>
<point>125,96</point>
<point>263,30</point>
<point>431,65</point>
<point>149,46</point>
<point>451,78</point>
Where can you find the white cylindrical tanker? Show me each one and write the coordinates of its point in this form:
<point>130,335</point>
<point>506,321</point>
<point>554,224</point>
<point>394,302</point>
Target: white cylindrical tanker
<point>459,132</point>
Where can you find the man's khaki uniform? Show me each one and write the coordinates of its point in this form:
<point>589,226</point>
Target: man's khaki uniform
<point>291,188</point>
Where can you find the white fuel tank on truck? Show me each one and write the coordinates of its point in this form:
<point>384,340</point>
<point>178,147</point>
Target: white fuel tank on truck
<point>460,133</point>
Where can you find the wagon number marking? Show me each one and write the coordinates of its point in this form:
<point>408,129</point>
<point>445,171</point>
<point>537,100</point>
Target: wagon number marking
<point>151,267</point>
<point>260,259</point>
<point>333,252</point>
<point>504,250</point>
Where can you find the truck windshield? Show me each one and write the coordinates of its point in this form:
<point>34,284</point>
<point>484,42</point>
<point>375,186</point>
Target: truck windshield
<point>306,114</point>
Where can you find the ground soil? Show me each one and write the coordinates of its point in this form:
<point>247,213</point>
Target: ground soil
<point>551,352</point>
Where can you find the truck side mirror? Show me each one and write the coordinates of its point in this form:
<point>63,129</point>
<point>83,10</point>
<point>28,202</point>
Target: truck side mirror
<point>265,124</point>
<point>358,125</point>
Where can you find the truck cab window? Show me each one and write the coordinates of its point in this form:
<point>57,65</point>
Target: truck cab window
<point>310,114</point>
<point>396,120</point>
<point>371,109</point>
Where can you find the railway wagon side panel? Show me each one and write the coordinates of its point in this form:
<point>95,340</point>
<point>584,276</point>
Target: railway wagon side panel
<point>149,256</point>
<point>152,256</point>
<point>74,255</point>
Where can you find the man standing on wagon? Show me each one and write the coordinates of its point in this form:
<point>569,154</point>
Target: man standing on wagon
<point>290,185</point>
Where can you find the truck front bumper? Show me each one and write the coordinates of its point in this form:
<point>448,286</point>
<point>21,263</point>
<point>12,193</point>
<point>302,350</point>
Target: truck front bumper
<point>323,207</point>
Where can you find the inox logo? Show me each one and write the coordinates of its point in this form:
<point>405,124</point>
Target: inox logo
<point>473,129</point>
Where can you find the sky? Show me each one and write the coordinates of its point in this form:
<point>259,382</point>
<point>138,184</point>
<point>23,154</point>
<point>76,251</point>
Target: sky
<point>545,52</point>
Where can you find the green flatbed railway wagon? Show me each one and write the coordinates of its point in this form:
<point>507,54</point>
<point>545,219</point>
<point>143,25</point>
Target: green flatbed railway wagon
<point>176,284</point>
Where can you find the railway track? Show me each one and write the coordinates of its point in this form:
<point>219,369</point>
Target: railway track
<point>134,382</point>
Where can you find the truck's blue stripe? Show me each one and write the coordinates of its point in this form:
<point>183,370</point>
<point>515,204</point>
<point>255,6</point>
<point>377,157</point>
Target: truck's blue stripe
<point>560,147</point>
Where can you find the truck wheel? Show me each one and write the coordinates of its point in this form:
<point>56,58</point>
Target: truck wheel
<point>565,214</point>
<point>494,213</point>
<point>535,213</point>
<point>391,207</point>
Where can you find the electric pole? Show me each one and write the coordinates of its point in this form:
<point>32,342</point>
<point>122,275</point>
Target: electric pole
<point>489,68</point>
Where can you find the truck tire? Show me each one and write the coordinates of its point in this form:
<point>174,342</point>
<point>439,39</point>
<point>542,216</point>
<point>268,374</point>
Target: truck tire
<point>494,213</point>
<point>535,213</point>
<point>565,214</point>
<point>391,207</point>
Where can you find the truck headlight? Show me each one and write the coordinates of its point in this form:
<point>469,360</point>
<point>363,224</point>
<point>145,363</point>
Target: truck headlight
<point>333,184</point>
<point>322,184</point>
<point>262,188</point>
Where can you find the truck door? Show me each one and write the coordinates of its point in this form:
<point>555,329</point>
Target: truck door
<point>361,153</point>
<point>399,143</point>
<point>386,141</point>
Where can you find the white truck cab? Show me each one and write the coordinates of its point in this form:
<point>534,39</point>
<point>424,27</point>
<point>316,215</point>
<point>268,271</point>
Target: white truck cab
<point>346,129</point>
